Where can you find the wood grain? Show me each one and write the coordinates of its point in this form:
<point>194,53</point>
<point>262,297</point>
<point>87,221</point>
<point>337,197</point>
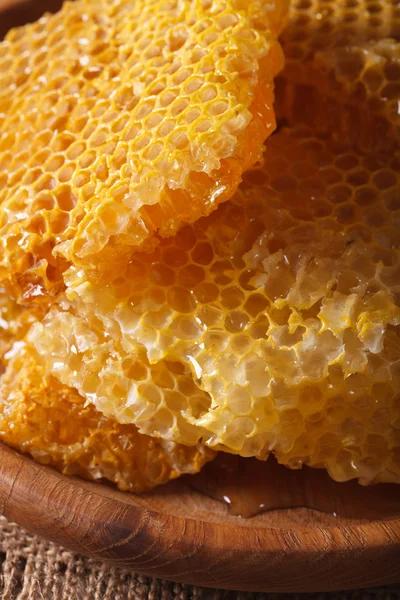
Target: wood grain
<point>183,536</point>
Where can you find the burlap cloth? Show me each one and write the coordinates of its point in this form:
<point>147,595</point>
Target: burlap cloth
<point>32,569</point>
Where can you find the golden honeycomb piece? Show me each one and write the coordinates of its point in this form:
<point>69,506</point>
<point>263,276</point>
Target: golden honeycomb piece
<point>15,321</point>
<point>342,70</point>
<point>121,120</point>
<point>51,422</point>
<point>282,309</point>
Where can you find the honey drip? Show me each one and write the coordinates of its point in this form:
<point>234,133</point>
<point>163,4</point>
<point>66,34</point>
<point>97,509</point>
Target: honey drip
<point>250,487</point>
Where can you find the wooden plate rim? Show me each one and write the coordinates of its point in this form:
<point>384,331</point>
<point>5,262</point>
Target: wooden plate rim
<point>77,515</point>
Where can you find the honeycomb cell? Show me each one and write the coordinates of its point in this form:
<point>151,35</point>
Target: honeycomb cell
<point>342,71</point>
<point>136,123</point>
<point>52,423</point>
<point>294,325</point>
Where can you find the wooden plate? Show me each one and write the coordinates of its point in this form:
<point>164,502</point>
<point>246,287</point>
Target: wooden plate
<point>182,535</point>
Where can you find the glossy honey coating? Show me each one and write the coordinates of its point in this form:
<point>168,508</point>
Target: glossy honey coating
<point>284,305</point>
<point>342,69</point>
<point>52,422</point>
<point>120,120</point>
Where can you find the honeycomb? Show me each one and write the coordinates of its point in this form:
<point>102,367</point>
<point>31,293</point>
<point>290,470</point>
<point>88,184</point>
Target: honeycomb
<point>343,69</point>
<point>15,321</point>
<point>51,422</point>
<point>279,313</point>
<point>120,120</point>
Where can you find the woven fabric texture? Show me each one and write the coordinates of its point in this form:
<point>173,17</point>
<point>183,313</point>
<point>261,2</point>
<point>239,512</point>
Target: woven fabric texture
<point>33,569</point>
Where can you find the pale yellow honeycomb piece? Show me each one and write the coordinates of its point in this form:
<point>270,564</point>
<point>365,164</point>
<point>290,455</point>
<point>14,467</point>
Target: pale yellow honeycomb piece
<point>342,69</point>
<point>283,305</point>
<point>120,120</point>
<point>51,422</point>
